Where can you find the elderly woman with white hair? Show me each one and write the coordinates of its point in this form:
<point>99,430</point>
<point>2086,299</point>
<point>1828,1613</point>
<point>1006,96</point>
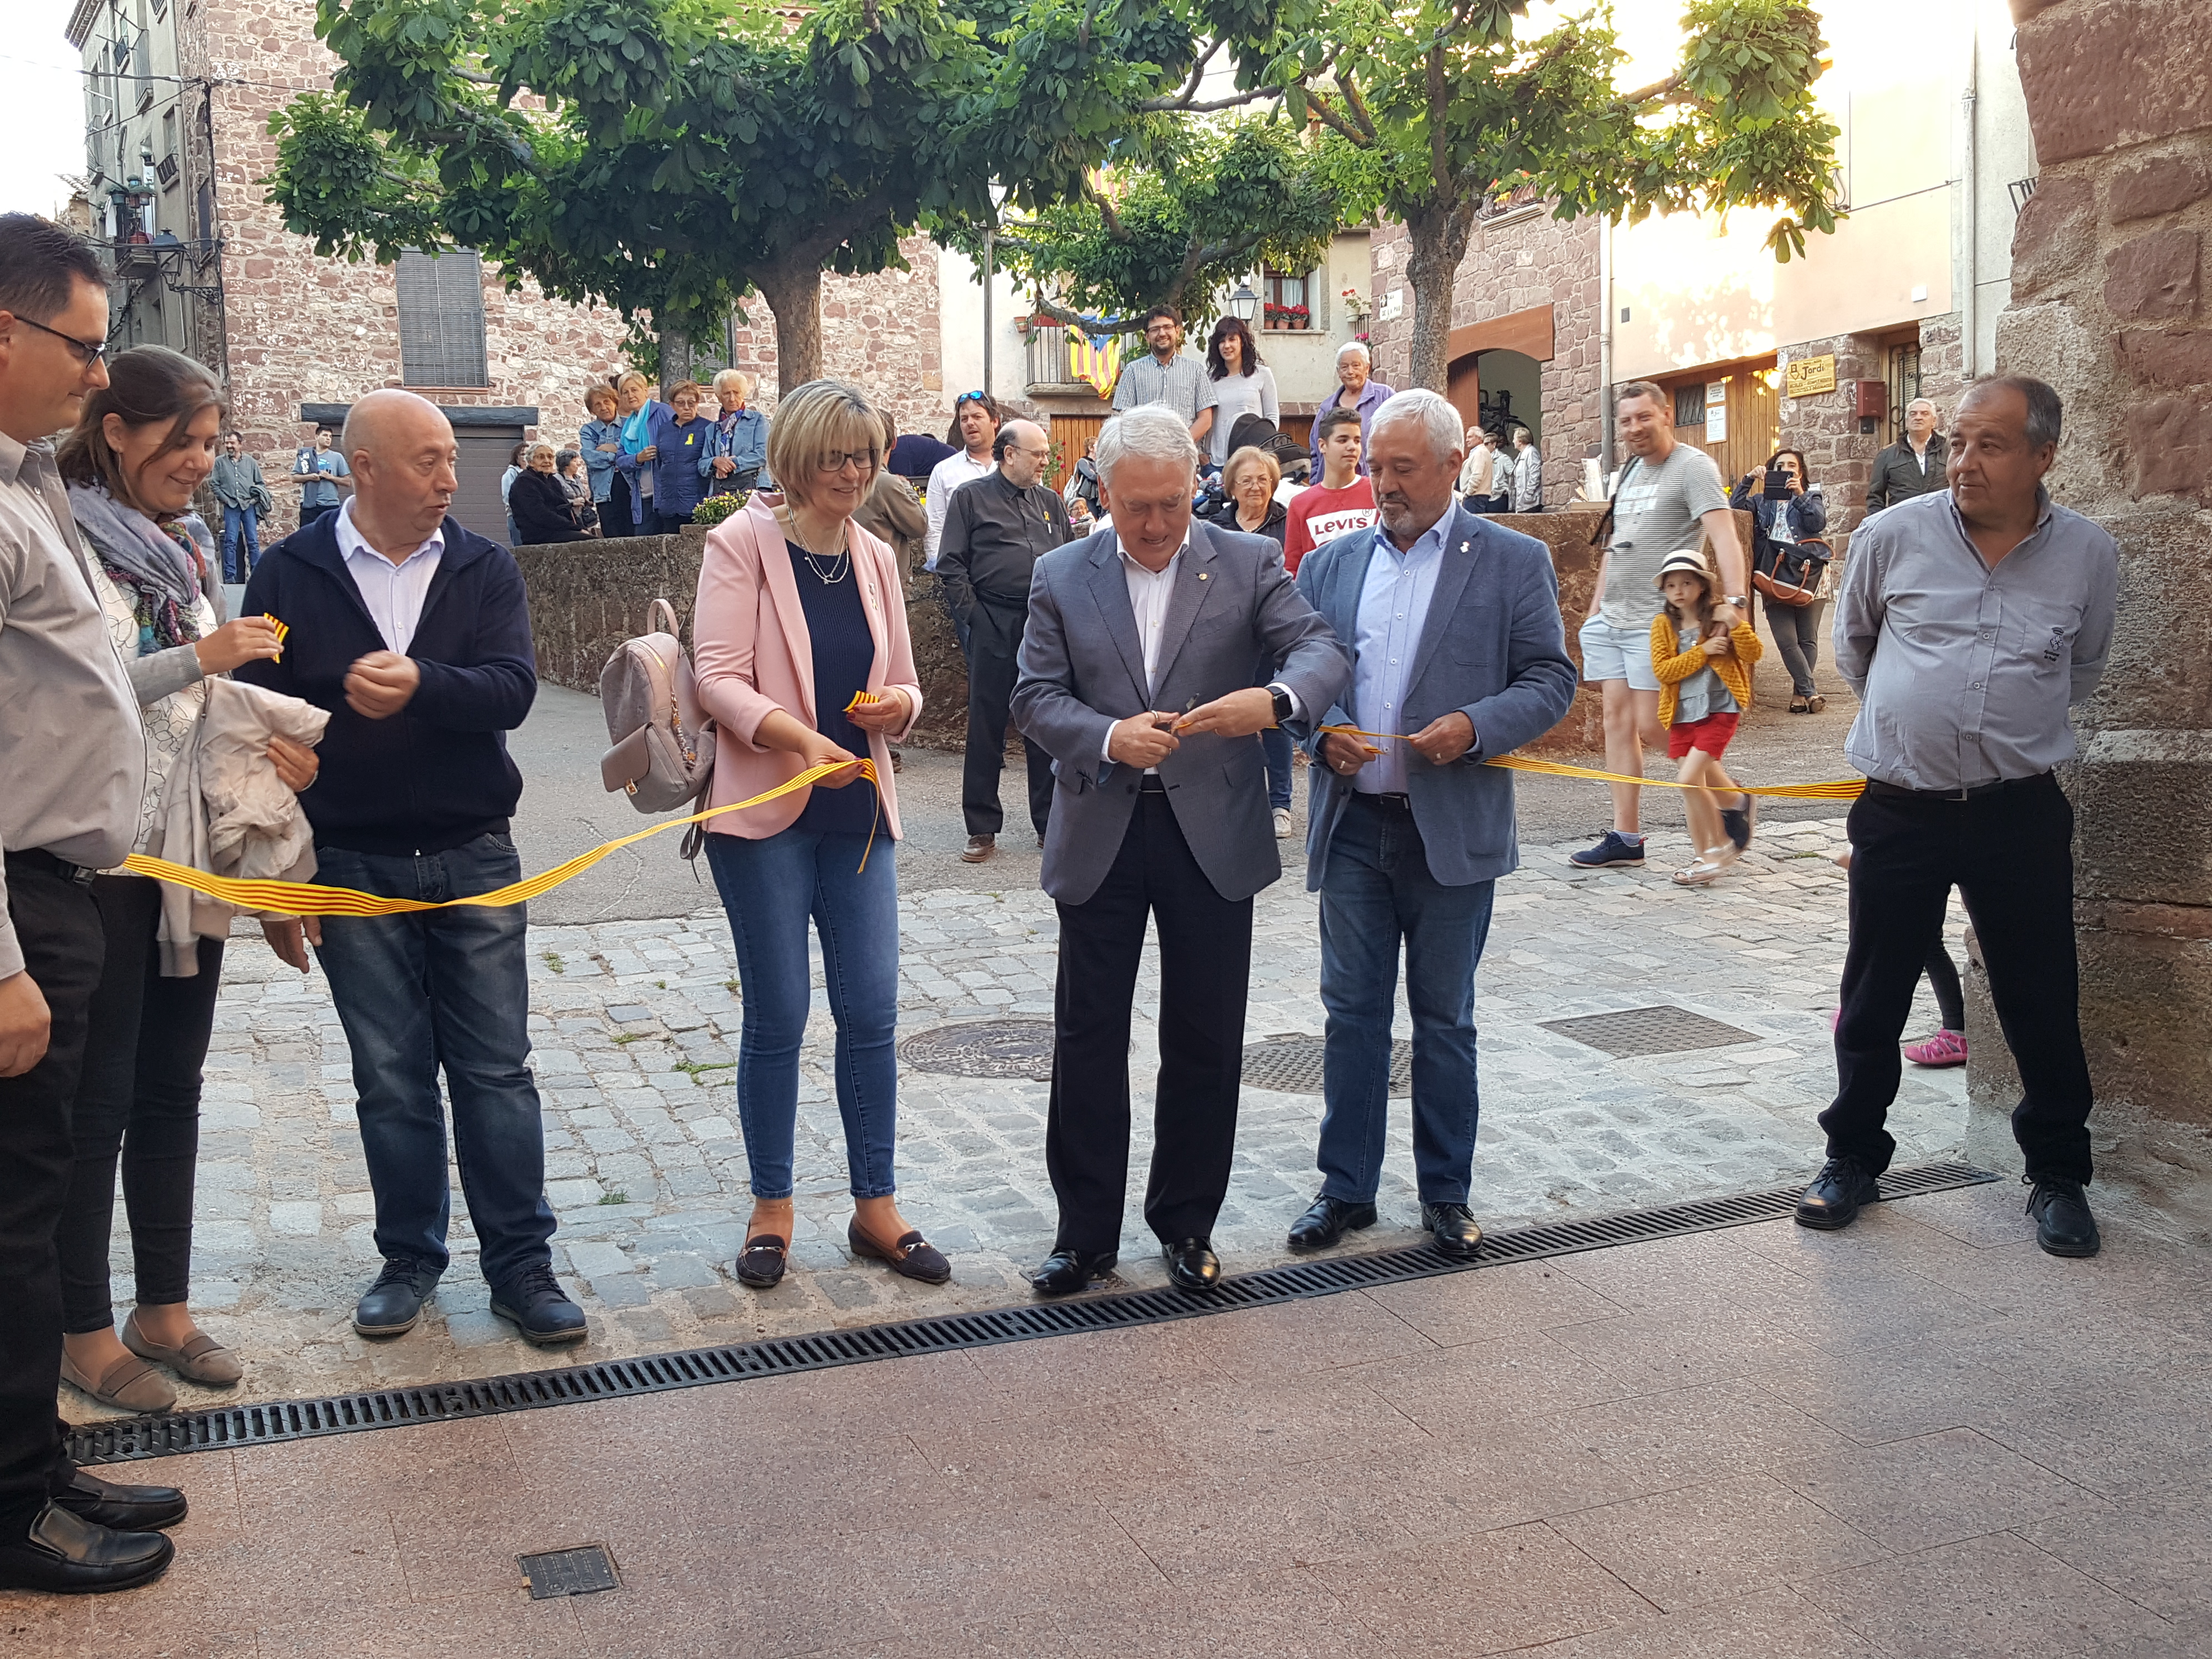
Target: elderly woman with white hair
<point>541,506</point>
<point>1356,388</point>
<point>737,449</point>
<point>800,639</point>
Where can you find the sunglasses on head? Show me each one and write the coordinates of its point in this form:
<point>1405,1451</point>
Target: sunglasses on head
<point>971,397</point>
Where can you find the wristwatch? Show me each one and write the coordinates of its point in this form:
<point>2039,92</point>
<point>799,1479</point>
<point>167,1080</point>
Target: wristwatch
<point>1284,706</point>
<point>1737,600</point>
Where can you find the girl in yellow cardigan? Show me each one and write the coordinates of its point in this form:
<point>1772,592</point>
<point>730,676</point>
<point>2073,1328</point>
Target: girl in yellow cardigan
<point>1704,686</point>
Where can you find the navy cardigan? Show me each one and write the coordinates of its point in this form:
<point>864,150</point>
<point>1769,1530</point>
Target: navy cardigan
<point>436,774</point>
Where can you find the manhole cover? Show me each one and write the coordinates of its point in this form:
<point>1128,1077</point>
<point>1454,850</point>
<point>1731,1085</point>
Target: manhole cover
<point>569,1572</point>
<point>984,1047</point>
<point>1650,1031</point>
<point>1290,1065</point>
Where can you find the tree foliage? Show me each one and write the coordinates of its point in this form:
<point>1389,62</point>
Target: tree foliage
<point>1209,205</point>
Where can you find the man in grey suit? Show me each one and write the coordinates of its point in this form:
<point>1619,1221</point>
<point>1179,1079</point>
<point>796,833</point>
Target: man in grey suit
<point>1458,656</point>
<point>1136,677</point>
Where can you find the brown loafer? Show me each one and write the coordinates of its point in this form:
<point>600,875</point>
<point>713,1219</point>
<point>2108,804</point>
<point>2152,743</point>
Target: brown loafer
<point>978,848</point>
<point>912,1257</point>
<point>759,1264</point>
<point>129,1384</point>
<point>198,1359</point>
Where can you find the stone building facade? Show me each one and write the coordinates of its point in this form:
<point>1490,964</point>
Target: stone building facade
<point>2108,305</point>
<point>1524,322</point>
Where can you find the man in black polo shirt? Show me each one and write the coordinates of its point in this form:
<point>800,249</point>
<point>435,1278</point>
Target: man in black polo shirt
<point>994,530</point>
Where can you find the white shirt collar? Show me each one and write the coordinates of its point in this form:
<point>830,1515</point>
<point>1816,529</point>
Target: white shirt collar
<point>352,542</point>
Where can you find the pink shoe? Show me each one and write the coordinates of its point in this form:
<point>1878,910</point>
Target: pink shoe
<point>1944,1048</point>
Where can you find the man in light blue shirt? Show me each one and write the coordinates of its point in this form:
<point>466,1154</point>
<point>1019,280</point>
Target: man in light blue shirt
<point>1458,656</point>
<point>315,468</point>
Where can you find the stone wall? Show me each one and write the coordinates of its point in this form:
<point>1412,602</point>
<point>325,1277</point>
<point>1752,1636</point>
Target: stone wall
<point>1523,263</point>
<point>1826,427</point>
<point>587,598</point>
<point>302,329</point>
<point>2107,305</point>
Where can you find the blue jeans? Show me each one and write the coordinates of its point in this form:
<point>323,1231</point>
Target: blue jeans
<point>241,524</point>
<point>772,889</point>
<point>1275,745</point>
<point>1377,890</point>
<point>443,989</point>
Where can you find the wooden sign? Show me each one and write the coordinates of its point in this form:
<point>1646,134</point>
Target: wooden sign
<point>1809,377</point>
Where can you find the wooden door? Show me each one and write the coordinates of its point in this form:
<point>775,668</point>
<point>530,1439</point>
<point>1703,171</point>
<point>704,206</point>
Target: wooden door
<point>1071,435</point>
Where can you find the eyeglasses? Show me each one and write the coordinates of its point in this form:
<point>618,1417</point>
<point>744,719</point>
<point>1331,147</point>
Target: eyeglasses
<point>837,461</point>
<point>86,352</point>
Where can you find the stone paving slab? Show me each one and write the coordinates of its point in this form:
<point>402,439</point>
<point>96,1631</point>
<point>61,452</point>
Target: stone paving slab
<point>635,1026</point>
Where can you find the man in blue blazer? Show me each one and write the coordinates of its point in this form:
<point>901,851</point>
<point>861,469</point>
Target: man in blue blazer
<point>1458,656</point>
<point>1136,677</point>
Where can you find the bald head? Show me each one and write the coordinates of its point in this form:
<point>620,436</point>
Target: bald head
<point>1024,452</point>
<point>403,455</point>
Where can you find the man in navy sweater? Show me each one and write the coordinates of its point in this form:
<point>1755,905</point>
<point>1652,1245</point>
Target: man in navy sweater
<point>414,633</point>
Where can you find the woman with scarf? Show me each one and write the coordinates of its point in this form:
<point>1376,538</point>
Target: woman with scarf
<point>634,467</point>
<point>145,442</point>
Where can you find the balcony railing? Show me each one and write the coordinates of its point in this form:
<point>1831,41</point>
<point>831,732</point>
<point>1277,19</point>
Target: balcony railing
<point>1047,364</point>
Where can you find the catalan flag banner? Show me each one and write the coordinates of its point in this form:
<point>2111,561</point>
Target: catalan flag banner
<point>1095,359</point>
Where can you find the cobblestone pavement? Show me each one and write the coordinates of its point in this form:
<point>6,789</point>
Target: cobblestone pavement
<point>635,1026</point>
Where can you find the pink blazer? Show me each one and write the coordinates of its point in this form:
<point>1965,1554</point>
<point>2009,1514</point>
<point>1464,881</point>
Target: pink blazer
<point>751,652</point>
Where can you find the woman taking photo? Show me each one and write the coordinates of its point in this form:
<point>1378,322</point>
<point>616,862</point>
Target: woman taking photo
<point>1778,525</point>
<point>542,506</point>
<point>1242,385</point>
<point>799,611</point>
<point>145,442</point>
<point>1249,482</point>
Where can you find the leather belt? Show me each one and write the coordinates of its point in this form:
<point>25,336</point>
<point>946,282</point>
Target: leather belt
<point>38,858</point>
<point>1975,792</point>
<point>1150,784</point>
<point>1386,803</point>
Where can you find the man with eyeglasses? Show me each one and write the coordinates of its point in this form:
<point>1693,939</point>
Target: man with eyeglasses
<point>975,421</point>
<point>1164,376</point>
<point>75,758</point>
<point>995,533</point>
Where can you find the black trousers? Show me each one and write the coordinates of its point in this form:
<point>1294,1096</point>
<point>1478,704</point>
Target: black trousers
<point>1206,965</point>
<point>58,928</point>
<point>994,635</point>
<point>2010,854</point>
<point>618,513</point>
<point>138,1099</point>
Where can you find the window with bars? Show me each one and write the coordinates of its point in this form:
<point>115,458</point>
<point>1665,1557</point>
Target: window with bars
<point>1904,386</point>
<point>1690,405</point>
<point>441,319</point>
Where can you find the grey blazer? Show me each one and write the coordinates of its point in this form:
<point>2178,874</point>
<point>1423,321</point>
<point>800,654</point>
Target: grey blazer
<point>1493,647</point>
<point>1083,668</point>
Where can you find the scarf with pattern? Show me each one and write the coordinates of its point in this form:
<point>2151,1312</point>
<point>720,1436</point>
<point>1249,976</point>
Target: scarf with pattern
<point>158,567</point>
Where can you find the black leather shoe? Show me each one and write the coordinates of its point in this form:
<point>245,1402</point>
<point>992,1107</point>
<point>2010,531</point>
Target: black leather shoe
<point>1192,1264</point>
<point>536,1302</point>
<point>2064,1226</point>
<point>126,1509</point>
<point>1454,1226</point>
<point>1327,1220</point>
<point>1833,1198</point>
<point>65,1556</point>
<point>1065,1271</point>
<point>394,1303</point>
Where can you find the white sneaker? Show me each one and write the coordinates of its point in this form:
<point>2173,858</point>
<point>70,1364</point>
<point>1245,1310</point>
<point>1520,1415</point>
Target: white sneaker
<point>1282,824</point>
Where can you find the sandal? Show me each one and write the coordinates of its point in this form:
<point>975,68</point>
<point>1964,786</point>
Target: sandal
<point>759,1264</point>
<point>1800,706</point>
<point>129,1384</point>
<point>912,1257</point>
<point>198,1359</point>
<point>1697,872</point>
<point>1814,704</point>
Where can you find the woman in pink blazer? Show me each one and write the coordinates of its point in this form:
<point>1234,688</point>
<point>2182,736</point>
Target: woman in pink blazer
<point>800,609</point>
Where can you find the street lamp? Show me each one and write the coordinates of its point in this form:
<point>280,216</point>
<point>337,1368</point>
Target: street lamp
<point>1244,304</point>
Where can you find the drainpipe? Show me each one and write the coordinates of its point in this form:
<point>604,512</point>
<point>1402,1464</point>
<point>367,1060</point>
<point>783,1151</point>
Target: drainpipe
<point>990,272</point>
<point>1605,348</point>
<point>1970,209</point>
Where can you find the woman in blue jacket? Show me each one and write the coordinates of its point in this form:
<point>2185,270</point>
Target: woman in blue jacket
<point>679,443</point>
<point>1778,526</point>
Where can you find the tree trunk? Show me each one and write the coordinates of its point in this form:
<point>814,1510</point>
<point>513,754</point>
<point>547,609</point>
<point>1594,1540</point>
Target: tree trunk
<point>1438,236</point>
<point>793,293</point>
<point>675,352</point>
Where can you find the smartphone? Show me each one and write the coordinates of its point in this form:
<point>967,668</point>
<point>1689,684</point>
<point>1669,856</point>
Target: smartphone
<point>1777,484</point>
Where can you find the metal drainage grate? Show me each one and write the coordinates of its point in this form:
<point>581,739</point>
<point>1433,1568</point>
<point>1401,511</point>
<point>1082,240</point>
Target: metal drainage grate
<point>984,1047</point>
<point>584,1571</point>
<point>120,1440</point>
<point>1650,1031</point>
<point>1290,1064</point>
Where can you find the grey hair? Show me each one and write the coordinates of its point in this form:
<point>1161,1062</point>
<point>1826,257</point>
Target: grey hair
<point>1928,404</point>
<point>739,376</point>
<point>1153,433</point>
<point>1440,423</point>
<point>1351,346</point>
<point>2043,410</point>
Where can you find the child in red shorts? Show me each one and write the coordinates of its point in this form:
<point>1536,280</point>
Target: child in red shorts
<point>1704,687</point>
